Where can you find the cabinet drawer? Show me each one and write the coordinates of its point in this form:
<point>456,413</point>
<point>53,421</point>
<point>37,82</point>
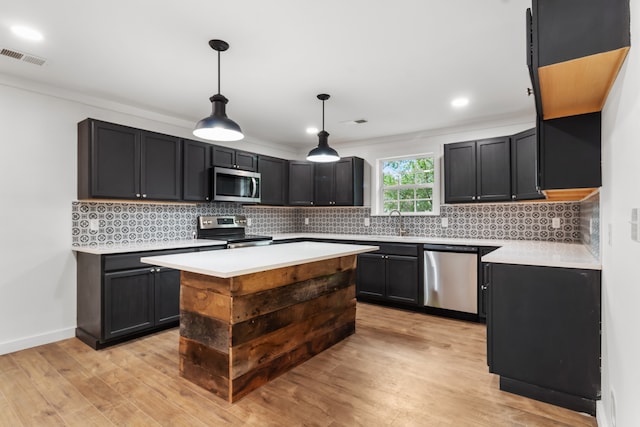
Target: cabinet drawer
<point>132,260</point>
<point>397,249</point>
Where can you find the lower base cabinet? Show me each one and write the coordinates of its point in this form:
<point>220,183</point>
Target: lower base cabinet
<point>120,298</point>
<point>543,333</point>
<point>389,274</point>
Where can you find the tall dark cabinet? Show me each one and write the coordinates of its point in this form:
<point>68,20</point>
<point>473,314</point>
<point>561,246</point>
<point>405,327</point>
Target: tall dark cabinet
<point>121,162</point>
<point>274,180</point>
<point>196,167</point>
<point>301,183</point>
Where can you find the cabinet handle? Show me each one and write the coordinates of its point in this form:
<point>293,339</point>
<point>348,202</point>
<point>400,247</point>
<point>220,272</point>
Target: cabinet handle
<point>137,194</point>
<point>152,270</point>
<point>310,203</point>
<point>478,198</point>
<point>483,287</point>
<point>513,197</point>
<point>206,198</point>
<point>144,196</point>
<point>473,197</point>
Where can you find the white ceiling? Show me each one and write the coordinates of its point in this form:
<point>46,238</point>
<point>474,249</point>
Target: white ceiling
<point>397,64</point>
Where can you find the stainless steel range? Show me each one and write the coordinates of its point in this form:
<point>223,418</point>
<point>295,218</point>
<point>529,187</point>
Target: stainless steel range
<point>231,229</point>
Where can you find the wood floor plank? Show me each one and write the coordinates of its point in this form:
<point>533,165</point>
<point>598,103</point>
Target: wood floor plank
<point>399,369</point>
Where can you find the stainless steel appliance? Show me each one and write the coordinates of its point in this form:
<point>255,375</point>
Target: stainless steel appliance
<point>231,229</point>
<point>233,185</point>
<point>451,277</point>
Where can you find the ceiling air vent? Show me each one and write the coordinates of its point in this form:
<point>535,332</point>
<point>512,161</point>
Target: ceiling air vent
<point>21,56</point>
<point>355,122</point>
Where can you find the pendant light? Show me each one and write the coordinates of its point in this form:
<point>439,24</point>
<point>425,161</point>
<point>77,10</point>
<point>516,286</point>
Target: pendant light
<point>323,153</point>
<point>218,127</point>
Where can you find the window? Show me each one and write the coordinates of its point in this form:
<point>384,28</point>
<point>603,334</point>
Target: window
<point>408,184</point>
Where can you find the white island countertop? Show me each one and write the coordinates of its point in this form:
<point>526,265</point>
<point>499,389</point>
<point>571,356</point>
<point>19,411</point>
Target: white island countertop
<point>236,262</point>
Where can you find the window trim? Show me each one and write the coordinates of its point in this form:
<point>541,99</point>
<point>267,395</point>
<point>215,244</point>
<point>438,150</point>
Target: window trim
<point>378,196</point>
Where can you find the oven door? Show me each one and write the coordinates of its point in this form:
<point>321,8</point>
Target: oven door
<point>231,185</point>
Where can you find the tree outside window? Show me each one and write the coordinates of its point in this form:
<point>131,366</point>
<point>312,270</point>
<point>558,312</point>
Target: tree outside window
<point>408,185</point>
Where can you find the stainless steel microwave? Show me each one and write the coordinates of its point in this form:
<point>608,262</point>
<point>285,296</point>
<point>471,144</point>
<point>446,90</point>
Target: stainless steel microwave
<point>233,185</point>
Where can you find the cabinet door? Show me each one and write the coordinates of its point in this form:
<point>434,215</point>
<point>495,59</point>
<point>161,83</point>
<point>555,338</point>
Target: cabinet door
<point>371,275</point>
<point>224,157</point>
<point>570,155</point>
<point>324,184</point>
<point>115,161</point>
<point>493,181</point>
<point>402,278</point>
<point>346,184</point>
<point>160,167</point>
<point>246,161</point>
<point>545,327</point>
<point>273,180</point>
<point>167,296</point>
<point>196,171</point>
<point>460,172</point>
<point>524,166</point>
<point>128,302</point>
<point>301,183</point>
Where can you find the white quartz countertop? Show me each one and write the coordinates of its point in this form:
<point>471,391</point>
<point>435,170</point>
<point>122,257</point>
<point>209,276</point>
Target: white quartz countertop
<point>151,246</point>
<point>526,252</point>
<point>236,262</point>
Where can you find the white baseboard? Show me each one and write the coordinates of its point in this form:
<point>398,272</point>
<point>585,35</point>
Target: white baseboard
<point>601,418</point>
<point>36,340</point>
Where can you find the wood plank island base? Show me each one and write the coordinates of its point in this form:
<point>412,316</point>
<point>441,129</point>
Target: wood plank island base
<point>248,315</point>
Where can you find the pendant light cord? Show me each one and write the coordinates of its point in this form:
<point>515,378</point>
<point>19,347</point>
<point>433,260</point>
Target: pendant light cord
<point>322,114</point>
<point>218,72</point>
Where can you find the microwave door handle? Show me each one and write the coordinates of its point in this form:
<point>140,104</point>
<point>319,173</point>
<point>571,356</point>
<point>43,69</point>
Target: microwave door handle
<point>254,185</point>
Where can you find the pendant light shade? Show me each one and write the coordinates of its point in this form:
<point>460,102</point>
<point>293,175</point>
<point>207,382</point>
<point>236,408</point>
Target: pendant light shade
<point>323,153</point>
<point>218,127</point>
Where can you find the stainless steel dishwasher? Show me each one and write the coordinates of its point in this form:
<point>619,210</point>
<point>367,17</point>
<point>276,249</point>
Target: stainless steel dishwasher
<point>451,277</point>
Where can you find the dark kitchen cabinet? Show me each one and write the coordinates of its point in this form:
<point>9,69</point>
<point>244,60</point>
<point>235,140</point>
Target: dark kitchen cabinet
<point>121,162</point>
<point>543,333</point>
<point>574,51</point>
<point>120,298</point>
<point>234,159</point>
<point>301,183</point>
<point>339,183</point>
<point>390,274</point>
<point>478,171</point>
<point>524,166</point>
<point>483,281</point>
<point>570,152</point>
<point>196,167</point>
<point>274,174</point>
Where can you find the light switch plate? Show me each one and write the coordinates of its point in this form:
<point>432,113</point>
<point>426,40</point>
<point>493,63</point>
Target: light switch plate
<point>555,222</point>
<point>367,222</point>
<point>306,221</point>
<point>444,222</point>
<point>94,224</point>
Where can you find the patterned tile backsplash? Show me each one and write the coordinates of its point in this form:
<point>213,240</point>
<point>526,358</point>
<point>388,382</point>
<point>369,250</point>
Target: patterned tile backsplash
<point>122,223</point>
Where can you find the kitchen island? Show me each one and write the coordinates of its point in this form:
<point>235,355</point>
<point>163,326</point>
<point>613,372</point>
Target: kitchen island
<point>248,315</point>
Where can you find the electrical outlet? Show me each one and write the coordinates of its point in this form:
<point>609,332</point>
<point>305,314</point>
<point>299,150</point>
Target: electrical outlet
<point>306,221</point>
<point>444,222</point>
<point>94,224</point>
<point>555,222</point>
<point>248,221</point>
<point>367,222</point>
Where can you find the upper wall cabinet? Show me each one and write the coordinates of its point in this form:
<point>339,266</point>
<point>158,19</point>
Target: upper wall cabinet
<point>477,171</point>
<point>301,183</point>
<point>575,49</point>
<point>121,162</point>
<point>274,175</point>
<point>524,166</point>
<point>339,183</point>
<point>196,176</point>
<point>234,159</point>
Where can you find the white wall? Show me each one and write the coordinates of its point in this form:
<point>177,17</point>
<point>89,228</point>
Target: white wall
<point>38,139</point>
<point>620,255</point>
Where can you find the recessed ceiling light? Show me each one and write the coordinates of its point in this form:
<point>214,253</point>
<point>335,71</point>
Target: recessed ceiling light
<point>27,33</point>
<point>312,130</point>
<point>460,102</point>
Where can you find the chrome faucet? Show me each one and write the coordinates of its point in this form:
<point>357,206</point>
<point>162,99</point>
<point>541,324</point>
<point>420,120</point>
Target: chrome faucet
<point>401,230</point>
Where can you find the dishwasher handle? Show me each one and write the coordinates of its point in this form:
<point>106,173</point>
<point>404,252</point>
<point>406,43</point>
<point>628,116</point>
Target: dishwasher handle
<point>451,248</point>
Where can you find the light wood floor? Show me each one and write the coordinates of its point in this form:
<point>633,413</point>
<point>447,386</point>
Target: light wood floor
<point>399,369</point>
